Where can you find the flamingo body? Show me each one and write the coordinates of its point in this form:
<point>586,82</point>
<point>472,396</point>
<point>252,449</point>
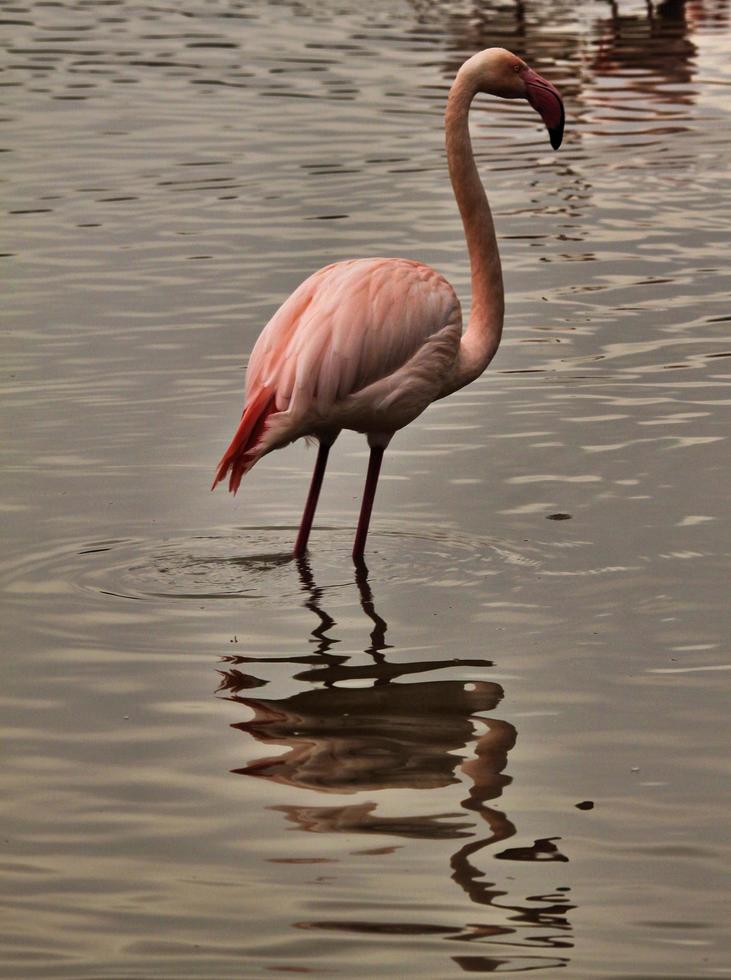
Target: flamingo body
<point>368,344</point>
<point>364,344</point>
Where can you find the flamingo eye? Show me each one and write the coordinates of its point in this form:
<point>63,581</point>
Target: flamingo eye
<point>518,68</point>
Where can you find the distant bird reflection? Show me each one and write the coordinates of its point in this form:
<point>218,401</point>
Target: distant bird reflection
<point>359,728</point>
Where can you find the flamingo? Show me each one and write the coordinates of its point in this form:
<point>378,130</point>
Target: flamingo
<point>367,344</point>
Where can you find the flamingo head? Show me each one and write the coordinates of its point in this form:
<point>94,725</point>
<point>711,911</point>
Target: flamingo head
<point>500,72</point>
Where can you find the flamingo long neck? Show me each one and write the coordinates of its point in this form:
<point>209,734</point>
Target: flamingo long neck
<point>481,338</point>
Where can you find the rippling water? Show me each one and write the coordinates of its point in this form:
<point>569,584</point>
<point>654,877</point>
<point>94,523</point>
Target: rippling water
<point>504,745</point>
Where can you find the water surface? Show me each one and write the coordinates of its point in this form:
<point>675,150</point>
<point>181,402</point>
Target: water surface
<point>503,745</point>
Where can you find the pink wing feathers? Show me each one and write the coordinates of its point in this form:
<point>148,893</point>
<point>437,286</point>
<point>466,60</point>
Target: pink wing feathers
<point>346,326</point>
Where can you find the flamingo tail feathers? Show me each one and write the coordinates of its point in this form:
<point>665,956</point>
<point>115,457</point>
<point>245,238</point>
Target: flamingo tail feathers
<point>242,452</point>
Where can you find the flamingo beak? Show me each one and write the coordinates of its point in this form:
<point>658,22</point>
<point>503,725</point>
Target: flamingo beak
<point>546,100</point>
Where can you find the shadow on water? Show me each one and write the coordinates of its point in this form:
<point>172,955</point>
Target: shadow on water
<point>359,728</point>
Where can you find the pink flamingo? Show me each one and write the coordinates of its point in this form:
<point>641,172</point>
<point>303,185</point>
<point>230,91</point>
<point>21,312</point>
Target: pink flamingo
<point>368,344</point>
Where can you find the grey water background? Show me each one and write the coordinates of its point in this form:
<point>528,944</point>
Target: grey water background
<point>505,747</point>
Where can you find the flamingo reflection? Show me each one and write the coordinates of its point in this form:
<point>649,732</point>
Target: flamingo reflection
<point>359,727</point>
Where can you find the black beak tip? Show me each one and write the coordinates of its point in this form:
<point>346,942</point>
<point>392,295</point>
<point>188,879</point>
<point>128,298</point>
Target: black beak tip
<point>556,132</point>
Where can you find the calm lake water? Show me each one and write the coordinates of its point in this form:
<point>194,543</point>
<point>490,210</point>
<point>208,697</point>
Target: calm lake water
<point>506,747</point>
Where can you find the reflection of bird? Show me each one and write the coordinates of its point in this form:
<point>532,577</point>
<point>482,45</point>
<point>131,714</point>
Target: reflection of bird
<point>381,733</point>
<point>345,740</point>
<point>341,739</point>
<point>368,344</point>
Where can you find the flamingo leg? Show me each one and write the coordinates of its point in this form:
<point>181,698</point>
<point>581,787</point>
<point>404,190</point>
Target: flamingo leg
<point>369,493</point>
<point>300,545</point>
